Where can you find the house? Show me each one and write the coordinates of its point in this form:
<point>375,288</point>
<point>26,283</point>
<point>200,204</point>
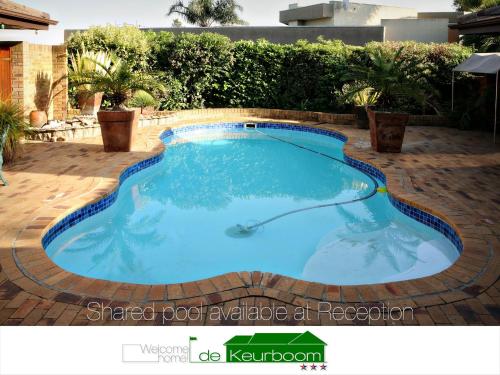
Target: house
<point>29,71</point>
<point>399,24</point>
<point>276,347</point>
<point>484,22</point>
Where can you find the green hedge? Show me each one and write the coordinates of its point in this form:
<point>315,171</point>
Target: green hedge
<point>208,70</point>
<point>127,42</point>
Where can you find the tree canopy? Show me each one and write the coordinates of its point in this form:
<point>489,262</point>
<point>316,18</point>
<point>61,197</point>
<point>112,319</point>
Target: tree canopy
<point>474,5</point>
<point>205,13</point>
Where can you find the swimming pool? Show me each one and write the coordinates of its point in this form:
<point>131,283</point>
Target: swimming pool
<point>225,198</point>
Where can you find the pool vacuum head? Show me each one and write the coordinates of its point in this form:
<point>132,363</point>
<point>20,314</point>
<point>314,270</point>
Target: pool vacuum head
<point>240,231</point>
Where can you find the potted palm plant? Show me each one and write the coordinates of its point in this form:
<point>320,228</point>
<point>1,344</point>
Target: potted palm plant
<point>44,96</point>
<point>362,99</point>
<point>388,76</point>
<point>118,82</point>
<point>82,63</point>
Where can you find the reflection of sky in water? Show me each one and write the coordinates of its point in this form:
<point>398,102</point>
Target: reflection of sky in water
<point>169,222</point>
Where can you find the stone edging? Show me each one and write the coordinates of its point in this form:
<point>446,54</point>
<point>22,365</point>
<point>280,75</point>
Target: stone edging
<point>167,117</point>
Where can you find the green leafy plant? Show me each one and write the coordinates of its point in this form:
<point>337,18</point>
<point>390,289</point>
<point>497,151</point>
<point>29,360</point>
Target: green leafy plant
<point>118,81</point>
<point>388,76</point>
<point>204,13</point>
<point>127,42</point>
<point>201,63</point>
<point>366,97</point>
<point>46,90</point>
<point>13,128</point>
<point>142,99</point>
<point>475,5</point>
<point>84,61</point>
<point>209,70</point>
<point>362,97</point>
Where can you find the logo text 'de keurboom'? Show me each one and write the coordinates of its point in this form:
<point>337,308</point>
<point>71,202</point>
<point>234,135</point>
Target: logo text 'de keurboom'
<point>276,347</point>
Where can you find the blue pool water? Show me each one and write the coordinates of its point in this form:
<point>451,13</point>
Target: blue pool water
<point>173,221</point>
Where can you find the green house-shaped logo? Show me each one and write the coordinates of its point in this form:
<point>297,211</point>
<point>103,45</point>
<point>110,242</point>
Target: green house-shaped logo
<point>276,347</point>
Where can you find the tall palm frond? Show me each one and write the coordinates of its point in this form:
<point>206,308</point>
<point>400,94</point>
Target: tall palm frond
<point>13,128</point>
<point>388,75</point>
<point>117,80</point>
<point>204,13</point>
<point>84,61</point>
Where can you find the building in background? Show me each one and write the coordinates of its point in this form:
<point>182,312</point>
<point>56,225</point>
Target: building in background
<point>399,24</point>
<point>355,24</point>
<point>484,22</point>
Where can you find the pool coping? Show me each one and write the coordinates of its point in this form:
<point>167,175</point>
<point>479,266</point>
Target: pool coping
<point>36,273</point>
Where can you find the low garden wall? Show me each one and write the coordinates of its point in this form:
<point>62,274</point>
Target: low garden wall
<point>84,127</point>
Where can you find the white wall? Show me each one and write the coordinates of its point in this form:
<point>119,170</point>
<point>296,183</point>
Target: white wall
<point>367,14</point>
<point>420,30</point>
<point>54,36</point>
<point>357,14</point>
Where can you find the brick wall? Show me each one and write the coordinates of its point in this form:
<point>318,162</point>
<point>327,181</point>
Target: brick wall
<point>39,78</point>
<point>60,73</point>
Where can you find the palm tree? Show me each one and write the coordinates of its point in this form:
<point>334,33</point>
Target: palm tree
<point>117,80</point>
<point>204,13</point>
<point>388,76</point>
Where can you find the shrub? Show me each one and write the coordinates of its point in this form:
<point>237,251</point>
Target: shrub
<point>255,78</point>
<point>201,63</point>
<point>173,98</point>
<point>127,42</point>
<point>435,61</point>
<point>12,123</point>
<point>208,70</point>
<point>312,72</point>
<point>142,99</point>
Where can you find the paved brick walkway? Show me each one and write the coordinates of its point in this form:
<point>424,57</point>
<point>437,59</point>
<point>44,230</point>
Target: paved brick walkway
<point>451,173</point>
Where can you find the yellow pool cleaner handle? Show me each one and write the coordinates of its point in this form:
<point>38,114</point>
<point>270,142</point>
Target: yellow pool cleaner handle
<point>382,189</point>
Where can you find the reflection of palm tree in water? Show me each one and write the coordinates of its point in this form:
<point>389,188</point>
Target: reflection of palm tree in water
<point>380,236</point>
<point>114,242</point>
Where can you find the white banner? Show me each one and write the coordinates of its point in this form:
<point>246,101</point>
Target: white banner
<point>250,350</point>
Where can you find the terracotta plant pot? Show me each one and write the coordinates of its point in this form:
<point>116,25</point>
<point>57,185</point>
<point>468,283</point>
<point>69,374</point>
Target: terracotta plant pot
<point>118,129</point>
<point>38,119</point>
<point>89,104</point>
<point>361,117</point>
<point>387,130</point>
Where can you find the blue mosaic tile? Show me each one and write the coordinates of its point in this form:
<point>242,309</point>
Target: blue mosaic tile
<point>415,213</point>
<point>96,207</point>
<point>429,220</point>
<point>366,168</point>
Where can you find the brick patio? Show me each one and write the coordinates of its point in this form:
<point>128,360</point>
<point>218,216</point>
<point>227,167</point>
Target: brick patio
<point>450,173</point>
